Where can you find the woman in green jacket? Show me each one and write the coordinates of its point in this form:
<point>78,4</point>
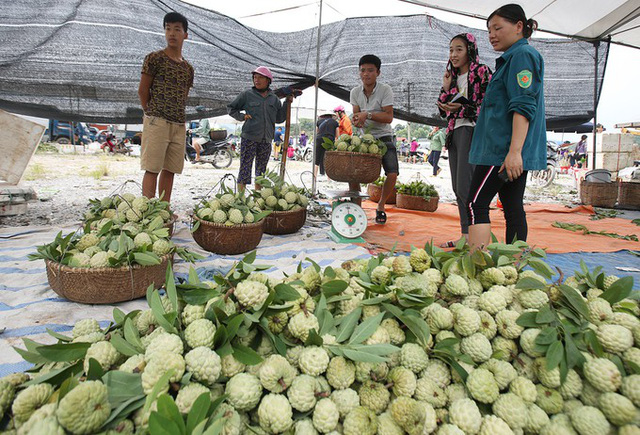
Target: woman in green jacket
<point>510,135</point>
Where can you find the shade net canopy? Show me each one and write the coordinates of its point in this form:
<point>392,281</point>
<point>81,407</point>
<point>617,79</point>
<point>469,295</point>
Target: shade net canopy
<point>80,60</point>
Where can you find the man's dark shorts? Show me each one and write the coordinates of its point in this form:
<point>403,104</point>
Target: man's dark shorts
<point>390,159</point>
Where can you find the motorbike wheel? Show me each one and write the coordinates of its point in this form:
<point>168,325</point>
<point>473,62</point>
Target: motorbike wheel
<point>221,159</point>
<point>542,178</point>
<point>308,157</point>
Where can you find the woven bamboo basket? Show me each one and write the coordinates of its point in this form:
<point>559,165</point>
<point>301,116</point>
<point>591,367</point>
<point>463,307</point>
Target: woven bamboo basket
<point>285,222</point>
<point>352,167</point>
<point>106,285</point>
<point>411,202</point>
<point>375,193</point>
<point>598,194</point>
<point>222,239</point>
<point>629,195</point>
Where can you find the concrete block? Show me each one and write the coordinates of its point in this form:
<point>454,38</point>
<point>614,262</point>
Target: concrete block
<point>613,161</point>
<point>614,142</point>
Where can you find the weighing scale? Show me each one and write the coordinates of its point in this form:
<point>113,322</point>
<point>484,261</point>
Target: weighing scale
<point>348,219</point>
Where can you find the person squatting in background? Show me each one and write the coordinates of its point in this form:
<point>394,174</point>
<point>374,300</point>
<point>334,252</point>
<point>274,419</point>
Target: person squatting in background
<point>260,109</point>
<point>510,135</point>
<point>465,75</point>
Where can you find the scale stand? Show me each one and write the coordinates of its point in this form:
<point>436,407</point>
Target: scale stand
<point>348,219</point>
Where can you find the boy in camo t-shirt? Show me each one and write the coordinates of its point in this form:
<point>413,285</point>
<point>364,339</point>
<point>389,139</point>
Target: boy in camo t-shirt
<point>164,88</point>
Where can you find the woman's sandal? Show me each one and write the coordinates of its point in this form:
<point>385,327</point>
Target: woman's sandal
<point>449,244</point>
<point>381,217</point>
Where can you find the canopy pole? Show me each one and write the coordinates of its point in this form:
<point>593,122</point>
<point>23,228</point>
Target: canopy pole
<point>315,109</point>
<point>595,105</point>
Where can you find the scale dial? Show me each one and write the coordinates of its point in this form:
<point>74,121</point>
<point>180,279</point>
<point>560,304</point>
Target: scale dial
<point>349,220</point>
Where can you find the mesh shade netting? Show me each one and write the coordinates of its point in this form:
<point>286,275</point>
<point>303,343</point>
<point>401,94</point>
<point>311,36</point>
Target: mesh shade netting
<point>80,60</point>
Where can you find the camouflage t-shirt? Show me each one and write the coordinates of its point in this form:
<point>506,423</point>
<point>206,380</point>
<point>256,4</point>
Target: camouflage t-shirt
<point>170,87</point>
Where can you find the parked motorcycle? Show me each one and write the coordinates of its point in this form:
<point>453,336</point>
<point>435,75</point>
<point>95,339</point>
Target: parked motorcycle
<point>216,151</point>
<point>303,154</point>
<point>545,177</point>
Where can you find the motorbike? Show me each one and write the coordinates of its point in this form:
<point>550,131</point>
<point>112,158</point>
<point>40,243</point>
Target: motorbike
<point>545,177</point>
<point>216,151</point>
<point>304,154</point>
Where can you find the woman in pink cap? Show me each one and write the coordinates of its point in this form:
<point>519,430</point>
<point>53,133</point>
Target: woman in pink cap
<point>261,110</point>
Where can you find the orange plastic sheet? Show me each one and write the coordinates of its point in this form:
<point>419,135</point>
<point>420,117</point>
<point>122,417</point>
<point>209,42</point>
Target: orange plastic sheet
<point>409,227</point>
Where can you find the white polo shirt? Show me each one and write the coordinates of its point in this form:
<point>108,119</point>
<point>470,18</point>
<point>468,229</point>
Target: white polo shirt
<point>381,96</point>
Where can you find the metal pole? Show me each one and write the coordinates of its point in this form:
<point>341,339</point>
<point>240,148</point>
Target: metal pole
<point>409,110</point>
<point>595,105</point>
<point>315,109</point>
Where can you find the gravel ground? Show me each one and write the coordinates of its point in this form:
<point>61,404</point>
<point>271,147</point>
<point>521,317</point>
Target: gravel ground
<point>65,183</point>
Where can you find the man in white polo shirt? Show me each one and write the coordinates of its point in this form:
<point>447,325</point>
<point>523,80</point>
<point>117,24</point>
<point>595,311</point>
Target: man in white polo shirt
<point>373,110</point>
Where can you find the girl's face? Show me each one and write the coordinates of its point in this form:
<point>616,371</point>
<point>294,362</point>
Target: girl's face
<point>503,34</point>
<point>458,53</point>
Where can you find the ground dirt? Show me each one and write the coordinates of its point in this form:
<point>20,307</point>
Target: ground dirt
<point>64,183</point>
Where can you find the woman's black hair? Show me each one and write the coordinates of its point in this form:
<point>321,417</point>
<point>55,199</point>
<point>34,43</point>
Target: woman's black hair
<point>584,136</point>
<point>514,13</point>
<point>175,17</point>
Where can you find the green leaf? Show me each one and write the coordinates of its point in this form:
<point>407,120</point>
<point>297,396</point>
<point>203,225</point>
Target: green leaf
<point>592,341</point>
<point>118,315</point>
<point>199,296</point>
<point>348,324</point>
<point>468,265</point>
<point>331,288</point>
<point>555,352</point>
<point>233,324</point>
<point>619,290</point>
<point>146,259</point>
<point>95,370</point>
<point>547,336</point>
<point>313,339</point>
<point>366,329</point>
<point>132,335</point>
<point>58,336</point>
<point>376,349</point>
<point>58,376</point>
<point>157,388</point>
<point>170,287</point>
<point>62,352</point>
<point>122,386</point>
<point>361,356</point>
<point>541,267</point>
<point>285,292</point>
<point>545,315</point>
<point>527,320</point>
<point>123,346</point>
<point>32,357</point>
<point>168,408</point>
<point>418,326</point>
<point>575,300</point>
<point>153,297</point>
<point>246,355</point>
<point>528,283</point>
<point>573,354</point>
<point>123,410</point>
<point>161,425</point>
<point>199,411</point>
<point>618,362</point>
<point>315,265</point>
<point>447,343</point>
<point>250,257</point>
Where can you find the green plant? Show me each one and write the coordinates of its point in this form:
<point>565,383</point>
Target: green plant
<point>418,188</point>
<point>35,172</point>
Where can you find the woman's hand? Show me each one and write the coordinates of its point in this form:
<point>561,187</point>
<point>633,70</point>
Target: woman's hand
<point>446,81</point>
<point>247,116</point>
<point>513,165</point>
<point>449,107</point>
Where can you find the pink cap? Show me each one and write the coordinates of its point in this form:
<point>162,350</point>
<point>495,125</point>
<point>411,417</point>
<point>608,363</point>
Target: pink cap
<point>263,71</point>
<point>339,108</point>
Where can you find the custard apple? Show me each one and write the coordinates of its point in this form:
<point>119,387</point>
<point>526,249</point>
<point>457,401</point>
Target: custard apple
<point>374,396</point>
<point>236,216</point>
<point>104,353</point>
<point>200,333</point>
<point>204,364</point>
<point>457,285</point>
<point>325,416</point>
<point>219,216</point>
<point>602,374</point>
<point>300,324</point>
<point>614,338</point>
<point>244,391</point>
<point>251,293</point>
<point>188,395</point>
<point>85,327</point>
<point>161,362</point>
<point>482,386</point>
<point>477,346</point>
<point>341,373</point>
<point>360,421</point>
<point>276,374</point>
<point>275,413</point>
<point>85,408</point>
<point>313,360</point>
<point>420,260</point>
<point>465,414</point>
<point>589,421</point>
<point>511,409</point>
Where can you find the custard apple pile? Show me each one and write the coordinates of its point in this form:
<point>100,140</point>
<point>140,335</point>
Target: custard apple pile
<point>430,342</point>
<point>229,208</point>
<point>119,230</point>
<point>365,144</point>
<point>277,195</point>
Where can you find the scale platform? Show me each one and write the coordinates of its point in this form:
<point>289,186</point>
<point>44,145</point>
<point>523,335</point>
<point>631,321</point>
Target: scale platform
<point>348,219</point>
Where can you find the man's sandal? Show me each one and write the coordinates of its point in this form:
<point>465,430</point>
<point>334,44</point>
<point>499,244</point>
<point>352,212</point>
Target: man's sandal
<point>381,217</point>
<point>449,244</point>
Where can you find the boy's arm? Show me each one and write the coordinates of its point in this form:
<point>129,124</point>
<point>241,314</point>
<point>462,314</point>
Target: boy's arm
<point>144,90</point>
